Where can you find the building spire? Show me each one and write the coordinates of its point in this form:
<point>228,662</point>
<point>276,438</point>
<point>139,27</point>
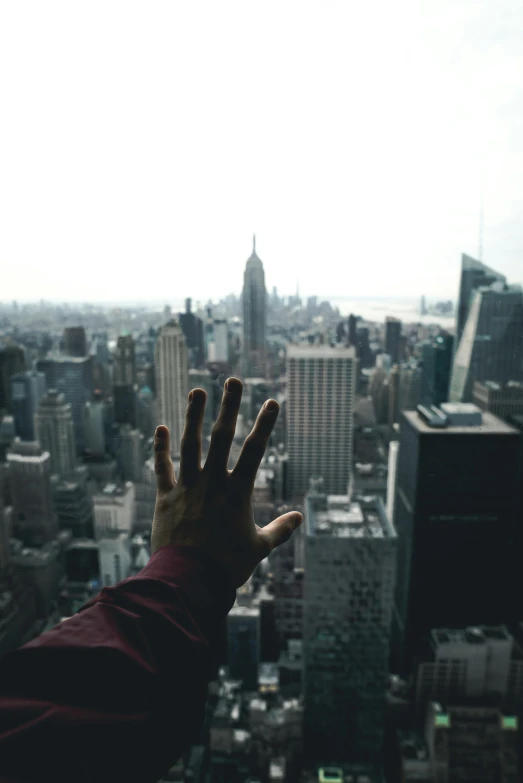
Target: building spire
<point>254,244</point>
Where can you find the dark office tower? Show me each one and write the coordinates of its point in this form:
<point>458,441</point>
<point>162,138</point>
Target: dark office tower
<point>124,380</point>
<point>353,330</point>
<point>436,365</point>
<point>393,339</point>
<point>474,275</point>
<point>243,642</point>
<point>27,389</point>
<point>363,350</point>
<point>73,376</point>
<point>12,361</point>
<point>75,341</point>
<point>492,341</point>
<point>254,315</point>
<point>350,564</point>
<point>458,525</point>
<point>192,328</point>
<point>55,432</point>
<point>29,472</point>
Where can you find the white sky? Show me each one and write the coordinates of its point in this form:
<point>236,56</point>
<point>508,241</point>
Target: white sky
<point>141,144</point>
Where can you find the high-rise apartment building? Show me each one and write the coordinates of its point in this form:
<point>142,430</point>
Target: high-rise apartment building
<point>27,389</point>
<point>474,274</point>
<point>254,297</point>
<point>29,471</point>
<point>73,376</point>
<point>458,525</point>
<point>55,432</point>
<point>393,339</point>
<point>320,402</point>
<point>491,346</point>
<point>172,380</point>
<point>75,341</point>
<point>350,564</point>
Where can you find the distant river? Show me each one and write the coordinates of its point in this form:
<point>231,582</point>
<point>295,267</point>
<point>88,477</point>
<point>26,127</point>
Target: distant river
<point>406,310</point>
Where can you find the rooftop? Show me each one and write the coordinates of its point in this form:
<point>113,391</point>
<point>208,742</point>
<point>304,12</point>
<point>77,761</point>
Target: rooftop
<point>488,425</point>
<point>336,516</point>
<point>307,351</point>
<point>473,635</point>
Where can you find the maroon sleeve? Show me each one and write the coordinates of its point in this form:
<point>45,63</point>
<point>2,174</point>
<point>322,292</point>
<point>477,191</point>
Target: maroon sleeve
<point>117,691</point>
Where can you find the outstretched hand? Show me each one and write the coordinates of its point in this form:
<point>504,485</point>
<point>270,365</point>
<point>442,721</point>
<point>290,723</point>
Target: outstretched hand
<point>211,507</point>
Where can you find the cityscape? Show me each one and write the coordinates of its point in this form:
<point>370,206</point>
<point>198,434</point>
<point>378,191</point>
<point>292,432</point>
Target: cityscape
<point>384,641</point>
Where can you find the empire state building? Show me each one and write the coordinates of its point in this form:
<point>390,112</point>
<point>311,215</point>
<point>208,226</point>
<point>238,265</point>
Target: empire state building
<point>254,316</point>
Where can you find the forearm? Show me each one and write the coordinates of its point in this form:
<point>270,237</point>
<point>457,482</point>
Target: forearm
<point>118,690</point>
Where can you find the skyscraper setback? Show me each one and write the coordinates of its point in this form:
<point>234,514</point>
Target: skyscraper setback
<point>254,316</point>
<point>172,379</point>
<point>320,403</point>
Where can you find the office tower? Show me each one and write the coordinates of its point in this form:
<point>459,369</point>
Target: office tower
<point>475,665</point>
<point>353,330</point>
<point>172,380</point>
<point>456,515</point>
<point>394,395</point>
<point>124,380</point>
<point>96,415</point>
<point>423,306</point>
<point>114,510</point>
<point>12,361</point>
<point>55,432</point>
<point>131,453</point>
<point>203,379</point>
<point>144,411</point>
<point>73,377</point>
<point>320,403</point>
<point>501,400</point>
<point>243,644</point>
<point>393,339</point>
<point>491,346</point>
<point>75,341</point>
<point>219,346</point>
<point>350,563</point>
<point>29,472</point>
<point>101,341</point>
<point>192,328</point>
<point>363,350</point>
<point>115,558</point>
<point>27,389</point>
<point>436,365</point>
<point>410,378</point>
<point>73,503</point>
<point>254,316</point>
<point>42,570</point>
<point>474,274</point>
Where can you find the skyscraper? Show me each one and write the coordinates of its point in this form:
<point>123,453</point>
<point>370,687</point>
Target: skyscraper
<point>474,274</point>
<point>491,346</point>
<point>75,342</point>
<point>192,327</point>
<point>350,563</point>
<point>243,643</point>
<point>410,377</point>
<point>172,379</point>
<point>393,339</point>
<point>436,364</point>
<point>12,361</point>
<point>73,376</point>
<point>320,403</point>
<point>29,471</point>
<point>458,525</point>
<point>27,389</point>
<point>55,432</point>
<point>254,316</point>
<point>124,380</point>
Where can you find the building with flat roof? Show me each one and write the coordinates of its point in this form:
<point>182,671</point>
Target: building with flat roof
<point>503,400</point>
<point>457,517</point>
<point>350,565</point>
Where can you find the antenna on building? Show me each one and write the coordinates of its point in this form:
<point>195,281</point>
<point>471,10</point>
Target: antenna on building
<point>254,243</point>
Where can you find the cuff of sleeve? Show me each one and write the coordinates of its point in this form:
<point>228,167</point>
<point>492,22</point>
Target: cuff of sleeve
<point>194,572</point>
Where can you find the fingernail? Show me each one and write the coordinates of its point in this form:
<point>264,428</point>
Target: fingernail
<point>160,434</point>
<point>297,519</point>
<point>271,406</point>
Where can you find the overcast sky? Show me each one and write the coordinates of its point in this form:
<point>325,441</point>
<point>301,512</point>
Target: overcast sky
<point>141,144</point>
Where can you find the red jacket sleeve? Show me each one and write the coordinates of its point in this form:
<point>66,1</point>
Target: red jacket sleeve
<point>117,691</point>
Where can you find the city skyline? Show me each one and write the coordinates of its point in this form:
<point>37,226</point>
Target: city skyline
<point>165,158</point>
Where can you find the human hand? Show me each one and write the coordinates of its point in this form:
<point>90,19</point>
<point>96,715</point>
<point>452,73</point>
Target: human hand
<point>211,507</point>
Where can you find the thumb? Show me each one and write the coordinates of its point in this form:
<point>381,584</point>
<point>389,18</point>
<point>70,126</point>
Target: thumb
<point>281,529</point>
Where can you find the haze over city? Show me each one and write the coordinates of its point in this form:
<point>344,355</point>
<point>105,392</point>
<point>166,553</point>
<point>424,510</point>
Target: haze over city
<point>144,149</point>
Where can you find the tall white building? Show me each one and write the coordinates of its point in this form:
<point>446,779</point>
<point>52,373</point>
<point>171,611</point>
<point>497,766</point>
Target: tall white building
<point>320,402</point>
<point>172,380</point>
<point>114,510</point>
<point>55,432</point>
<point>115,560</point>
